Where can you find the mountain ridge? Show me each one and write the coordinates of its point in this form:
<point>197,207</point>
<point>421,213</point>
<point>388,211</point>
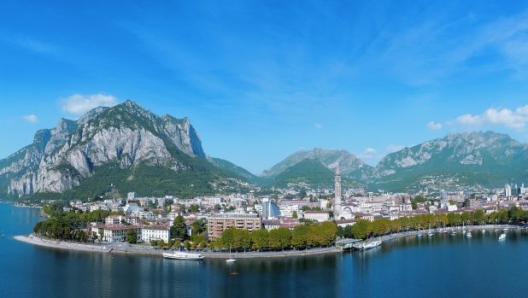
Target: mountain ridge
<point>125,136</point>
<point>137,149</point>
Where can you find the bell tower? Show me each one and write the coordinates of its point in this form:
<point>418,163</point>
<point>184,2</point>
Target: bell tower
<point>337,199</point>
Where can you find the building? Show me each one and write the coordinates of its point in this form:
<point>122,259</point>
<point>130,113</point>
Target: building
<point>118,233</point>
<point>337,199</point>
<point>114,219</point>
<point>319,216</point>
<point>155,232</point>
<point>270,209</point>
<point>507,191</point>
<point>131,195</point>
<point>218,223</point>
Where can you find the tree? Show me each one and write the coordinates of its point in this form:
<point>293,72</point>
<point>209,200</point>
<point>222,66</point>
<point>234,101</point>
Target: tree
<point>285,237</point>
<point>178,228</point>
<point>131,236</point>
<point>294,214</point>
<point>328,232</point>
<point>194,208</point>
<point>362,229</point>
<point>300,236</point>
<point>260,239</point>
<point>199,226</point>
<point>187,244</point>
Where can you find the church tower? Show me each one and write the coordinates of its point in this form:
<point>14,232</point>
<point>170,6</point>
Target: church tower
<point>337,200</point>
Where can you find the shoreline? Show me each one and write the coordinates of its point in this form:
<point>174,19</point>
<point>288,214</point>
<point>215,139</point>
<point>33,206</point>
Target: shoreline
<point>125,248</point>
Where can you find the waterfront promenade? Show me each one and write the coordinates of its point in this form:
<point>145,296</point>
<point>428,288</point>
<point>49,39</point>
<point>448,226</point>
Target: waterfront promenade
<point>125,248</point>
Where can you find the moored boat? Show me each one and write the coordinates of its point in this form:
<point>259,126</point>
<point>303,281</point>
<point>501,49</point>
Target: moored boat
<point>502,237</point>
<point>371,244</point>
<point>181,255</point>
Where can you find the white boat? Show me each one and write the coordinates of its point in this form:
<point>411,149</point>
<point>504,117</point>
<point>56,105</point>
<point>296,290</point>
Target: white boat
<point>371,244</point>
<point>181,255</point>
<point>502,237</point>
<point>231,259</point>
<point>469,235</point>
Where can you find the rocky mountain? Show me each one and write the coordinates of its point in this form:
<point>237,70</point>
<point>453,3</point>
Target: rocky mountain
<point>350,166</point>
<point>482,158</point>
<point>125,145</point>
<point>127,148</point>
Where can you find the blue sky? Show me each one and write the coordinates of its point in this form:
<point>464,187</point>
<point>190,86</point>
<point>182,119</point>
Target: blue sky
<point>260,80</point>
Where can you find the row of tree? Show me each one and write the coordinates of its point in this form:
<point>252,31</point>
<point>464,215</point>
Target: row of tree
<point>68,225</point>
<point>300,237</point>
<point>363,229</point>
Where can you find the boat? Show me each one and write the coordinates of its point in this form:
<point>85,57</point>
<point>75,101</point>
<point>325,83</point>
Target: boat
<point>181,255</point>
<point>231,259</point>
<point>502,237</point>
<point>371,244</point>
<point>419,235</point>
<point>469,235</point>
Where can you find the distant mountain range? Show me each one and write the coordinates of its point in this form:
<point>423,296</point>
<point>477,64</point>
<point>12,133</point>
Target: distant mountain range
<point>111,151</point>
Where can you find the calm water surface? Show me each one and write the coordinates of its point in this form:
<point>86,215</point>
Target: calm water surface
<point>441,266</point>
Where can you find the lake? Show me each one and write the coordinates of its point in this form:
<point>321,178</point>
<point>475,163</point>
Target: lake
<point>441,266</point>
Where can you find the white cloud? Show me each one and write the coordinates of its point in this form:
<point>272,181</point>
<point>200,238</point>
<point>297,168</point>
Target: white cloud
<point>514,119</point>
<point>31,118</point>
<point>318,126</point>
<point>79,104</point>
<point>369,153</point>
<point>434,126</point>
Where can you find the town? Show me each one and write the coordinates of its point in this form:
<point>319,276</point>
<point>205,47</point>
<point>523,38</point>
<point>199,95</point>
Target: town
<point>151,218</point>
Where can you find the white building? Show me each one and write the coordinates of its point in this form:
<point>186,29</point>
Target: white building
<point>131,195</point>
<point>155,232</point>
<point>319,216</point>
<point>287,210</point>
<point>507,191</point>
<point>114,219</point>
<point>117,233</point>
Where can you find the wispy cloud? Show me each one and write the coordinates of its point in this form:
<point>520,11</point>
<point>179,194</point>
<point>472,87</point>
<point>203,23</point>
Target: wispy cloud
<point>28,43</point>
<point>428,51</point>
<point>282,71</point>
<point>318,126</point>
<point>434,125</point>
<point>79,104</point>
<point>368,153</point>
<point>32,118</point>
<point>514,119</point>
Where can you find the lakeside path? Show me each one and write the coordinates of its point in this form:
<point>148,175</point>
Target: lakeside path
<point>125,248</point>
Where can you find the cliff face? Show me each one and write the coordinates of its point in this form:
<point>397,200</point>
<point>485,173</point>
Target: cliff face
<point>62,157</point>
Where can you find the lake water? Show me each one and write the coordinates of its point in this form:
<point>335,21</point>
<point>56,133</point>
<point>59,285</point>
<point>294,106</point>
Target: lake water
<point>441,266</point>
